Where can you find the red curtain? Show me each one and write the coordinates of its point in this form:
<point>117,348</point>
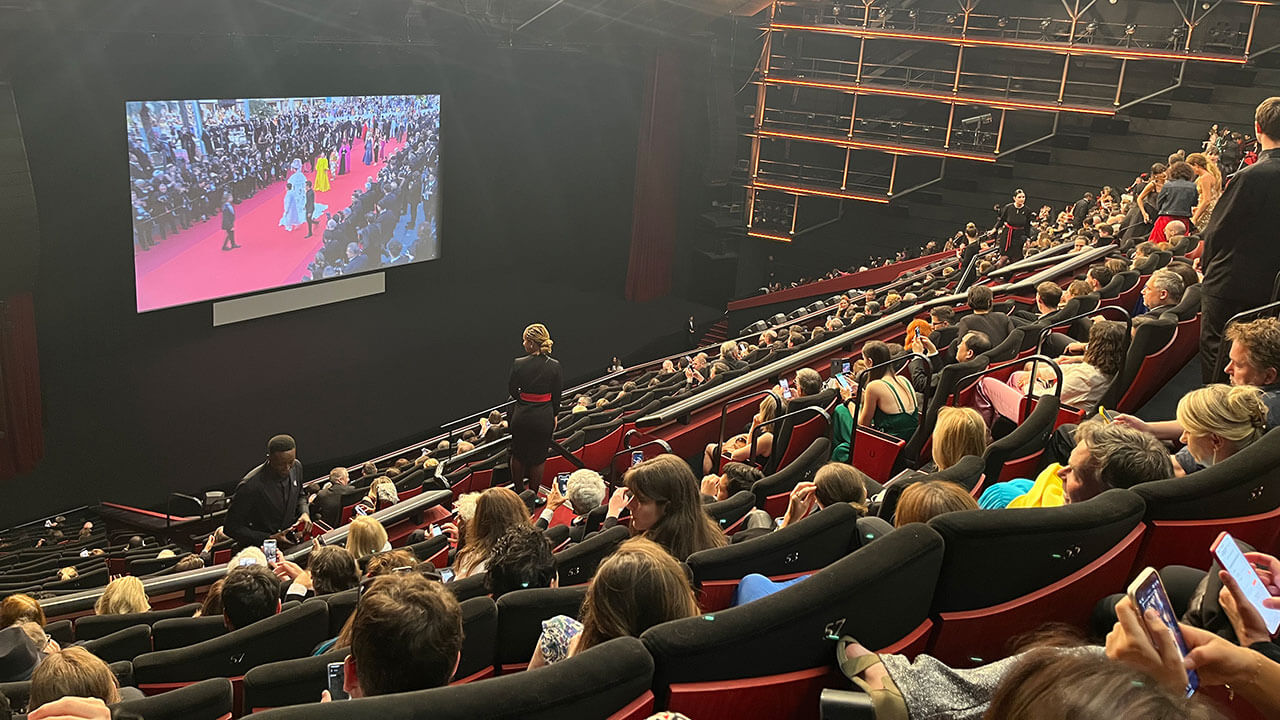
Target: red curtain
<point>21,429</point>
<point>653,224</point>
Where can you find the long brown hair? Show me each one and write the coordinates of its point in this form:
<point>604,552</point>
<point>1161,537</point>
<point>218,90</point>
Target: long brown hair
<point>638,586</point>
<point>497,509</point>
<point>684,527</point>
<point>1107,346</point>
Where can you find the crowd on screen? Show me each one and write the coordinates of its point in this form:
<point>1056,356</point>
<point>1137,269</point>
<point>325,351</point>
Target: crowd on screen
<point>181,180</point>
<point>406,631</point>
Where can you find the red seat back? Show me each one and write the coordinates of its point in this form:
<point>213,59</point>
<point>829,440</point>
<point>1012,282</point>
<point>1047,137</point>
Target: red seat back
<point>875,453</point>
<point>597,454</point>
<point>802,436</point>
<point>974,637</point>
<point>1152,375</point>
<point>1186,542</point>
<point>639,709</point>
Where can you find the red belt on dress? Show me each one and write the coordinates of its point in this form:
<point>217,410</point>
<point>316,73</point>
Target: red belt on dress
<point>535,398</point>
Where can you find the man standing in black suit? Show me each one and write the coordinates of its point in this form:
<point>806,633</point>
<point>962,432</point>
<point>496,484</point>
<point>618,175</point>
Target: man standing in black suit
<point>311,208</point>
<point>1240,260</point>
<point>229,222</point>
<point>269,500</point>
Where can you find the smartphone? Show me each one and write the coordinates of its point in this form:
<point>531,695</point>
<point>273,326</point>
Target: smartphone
<point>362,510</point>
<point>247,561</point>
<point>1108,417</point>
<point>446,575</point>
<point>742,348</point>
<point>562,482</point>
<point>269,549</point>
<point>637,457</point>
<point>1233,561</point>
<point>336,672</point>
<point>436,531</point>
<point>844,381</point>
<point>786,388</point>
<point>1147,593</point>
<point>845,367</point>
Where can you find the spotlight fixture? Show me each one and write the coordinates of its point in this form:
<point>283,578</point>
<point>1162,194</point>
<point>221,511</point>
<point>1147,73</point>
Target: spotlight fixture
<point>913,13</point>
<point>1130,29</point>
<point>1045,23</point>
<point>883,12</point>
<point>835,10</point>
<point>951,19</point>
<point>1002,21</point>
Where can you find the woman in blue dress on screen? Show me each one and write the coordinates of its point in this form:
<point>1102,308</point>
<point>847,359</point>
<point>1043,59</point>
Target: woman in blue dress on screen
<point>295,198</point>
<point>368,149</point>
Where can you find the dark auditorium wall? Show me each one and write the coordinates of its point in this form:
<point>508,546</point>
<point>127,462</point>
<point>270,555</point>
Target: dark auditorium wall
<point>538,163</point>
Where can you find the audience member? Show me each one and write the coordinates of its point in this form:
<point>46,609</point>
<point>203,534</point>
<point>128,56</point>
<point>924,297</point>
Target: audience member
<point>270,499</point>
<point>366,536</point>
<point>923,501</point>
<point>520,559</point>
<point>122,596</point>
<point>959,431</point>
<point>497,510</point>
<point>662,495</point>
<point>406,634</point>
<point>995,325</point>
<point>739,447</point>
<point>249,594</point>
<point>734,477</point>
<point>75,672</point>
<point>833,483</point>
<point>330,569</point>
<point>888,400</point>
<point>1085,379</point>
<point>20,608</point>
<point>1217,422</point>
<point>635,588</point>
<point>18,655</point>
<point>584,491</point>
<point>339,492</point>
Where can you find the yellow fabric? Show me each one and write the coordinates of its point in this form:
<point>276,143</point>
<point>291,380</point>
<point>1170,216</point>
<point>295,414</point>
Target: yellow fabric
<point>322,174</point>
<point>1047,492</point>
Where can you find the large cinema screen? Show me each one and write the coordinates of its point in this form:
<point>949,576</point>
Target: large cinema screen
<point>237,196</point>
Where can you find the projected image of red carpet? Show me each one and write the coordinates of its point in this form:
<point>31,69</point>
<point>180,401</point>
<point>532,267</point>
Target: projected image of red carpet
<point>191,265</point>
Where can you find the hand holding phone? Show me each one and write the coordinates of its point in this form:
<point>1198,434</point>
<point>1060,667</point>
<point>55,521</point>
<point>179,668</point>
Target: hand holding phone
<point>1146,595</point>
<point>336,671</point>
<point>269,549</point>
<point>1249,586</point>
<point>637,457</point>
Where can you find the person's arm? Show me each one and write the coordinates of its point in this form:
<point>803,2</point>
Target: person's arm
<point>1142,196</point>
<point>556,389</point>
<point>303,512</point>
<point>870,400</point>
<point>236,525</point>
<point>1162,430</point>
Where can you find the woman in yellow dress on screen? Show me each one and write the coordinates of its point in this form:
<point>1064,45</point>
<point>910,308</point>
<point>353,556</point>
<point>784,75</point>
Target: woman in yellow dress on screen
<point>322,173</point>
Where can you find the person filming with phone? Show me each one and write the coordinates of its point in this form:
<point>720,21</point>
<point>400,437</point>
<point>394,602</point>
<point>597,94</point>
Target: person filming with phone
<point>269,501</point>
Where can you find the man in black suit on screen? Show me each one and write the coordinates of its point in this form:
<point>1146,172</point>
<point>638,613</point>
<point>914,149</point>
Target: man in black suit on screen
<point>311,208</point>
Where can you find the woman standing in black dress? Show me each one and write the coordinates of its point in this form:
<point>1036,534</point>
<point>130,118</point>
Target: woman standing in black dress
<point>1013,226</point>
<point>535,385</point>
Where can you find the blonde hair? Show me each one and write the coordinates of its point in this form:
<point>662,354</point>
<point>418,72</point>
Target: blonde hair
<point>122,596</point>
<point>959,431</point>
<point>925,500</point>
<point>1234,413</point>
<point>497,510</point>
<point>73,671</point>
<point>253,552</point>
<point>1201,161</point>
<point>537,336</point>
<point>365,536</point>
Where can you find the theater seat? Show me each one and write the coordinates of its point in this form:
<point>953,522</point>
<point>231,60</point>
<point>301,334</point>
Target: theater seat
<point>577,564</point>
<point>1018,454</point>
<point>948,383</point>
<point>1010,571</point>
<point>123,644</point>
<point>773,490</point>
<point>731,513</point>
<point>1146,365</point>
<point>181,632</point>
<point>206,700</point>
<point>479,640</point>
<point>611,680</point>
<point>805,546</point>
<point>1240,495</point>
<point>772,657</point>
<point>472,586</point>
<point>288,682</point>
<point>520,616</point>
<point>339,606</point>
<point>96,626</point>
<point>290,634</point>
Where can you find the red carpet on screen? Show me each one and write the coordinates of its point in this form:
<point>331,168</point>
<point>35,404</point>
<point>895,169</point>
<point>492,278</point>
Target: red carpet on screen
<point>191,265</point>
